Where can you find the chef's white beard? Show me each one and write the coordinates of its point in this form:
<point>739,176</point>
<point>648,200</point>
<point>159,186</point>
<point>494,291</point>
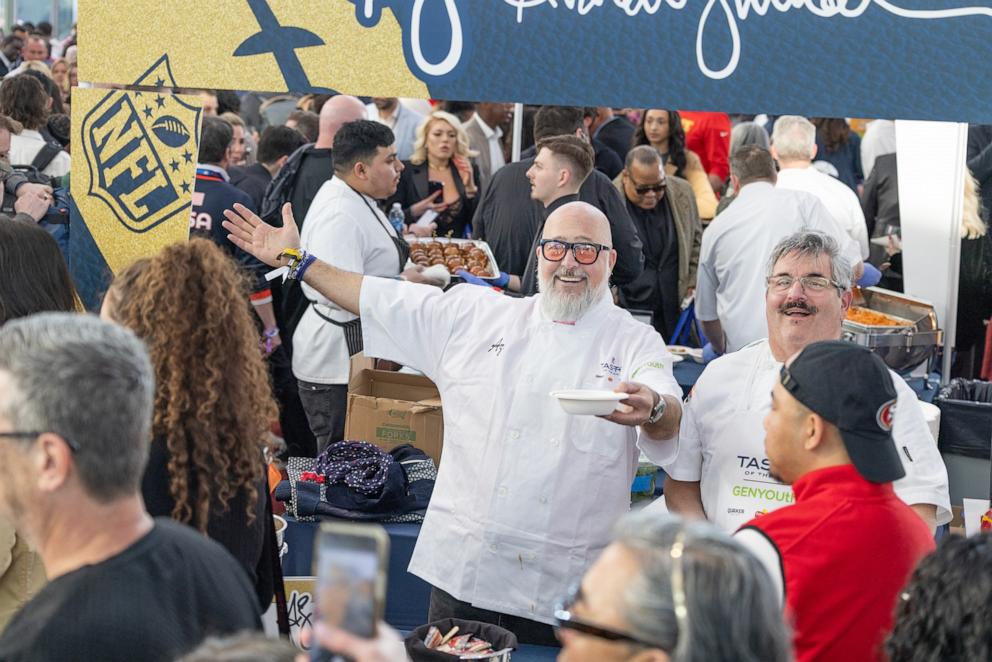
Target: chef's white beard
<point>564,307</point>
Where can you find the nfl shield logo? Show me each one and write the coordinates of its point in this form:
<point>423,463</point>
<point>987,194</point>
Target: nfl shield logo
<point>134,144</point>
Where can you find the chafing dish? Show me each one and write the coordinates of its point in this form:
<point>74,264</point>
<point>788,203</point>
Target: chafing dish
<point>905,345</point>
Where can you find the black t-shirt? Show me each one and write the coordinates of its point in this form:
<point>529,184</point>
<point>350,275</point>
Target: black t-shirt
<point>156,600</point>
<point>248,543</point>
<point>316,168</point>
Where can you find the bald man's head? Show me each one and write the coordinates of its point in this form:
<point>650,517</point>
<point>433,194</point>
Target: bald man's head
<point>580,219</point>
<point>575,260</point>
<point>336,112</point>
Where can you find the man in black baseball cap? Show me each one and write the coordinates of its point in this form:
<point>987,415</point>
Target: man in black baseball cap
<point>844,550</point>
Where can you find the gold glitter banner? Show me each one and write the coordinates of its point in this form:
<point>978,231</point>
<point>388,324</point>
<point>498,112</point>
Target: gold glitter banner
<point>262,45</point>
<point>134,163</point>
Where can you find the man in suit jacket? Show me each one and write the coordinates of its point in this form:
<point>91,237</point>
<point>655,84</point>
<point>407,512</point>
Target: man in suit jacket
<point>663,209</point>
<point>485,134</point>
<point>10,54</point>
<point>614,131</point>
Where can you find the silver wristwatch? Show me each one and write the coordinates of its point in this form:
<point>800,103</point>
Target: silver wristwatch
<point>657,411</point>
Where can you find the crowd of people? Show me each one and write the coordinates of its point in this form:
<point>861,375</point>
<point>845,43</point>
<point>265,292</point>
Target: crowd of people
<point>804,489</point>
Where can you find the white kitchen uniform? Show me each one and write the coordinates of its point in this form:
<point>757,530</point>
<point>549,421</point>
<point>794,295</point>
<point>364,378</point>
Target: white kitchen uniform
<point>340,229</point>
<point>836,196</point>
<point>722,442</point>
<point>526,495</point>
<point>733,257</point>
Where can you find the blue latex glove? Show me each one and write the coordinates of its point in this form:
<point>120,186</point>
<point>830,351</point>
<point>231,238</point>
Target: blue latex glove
<point>708,353</point>
<point>502,281</point>
<point>870,277</point>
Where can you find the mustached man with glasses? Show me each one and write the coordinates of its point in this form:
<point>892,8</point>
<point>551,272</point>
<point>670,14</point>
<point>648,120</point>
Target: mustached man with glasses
<point>664,211</point>
<point>526,494</point>
<point>722,471</point>
<point>730,283</point>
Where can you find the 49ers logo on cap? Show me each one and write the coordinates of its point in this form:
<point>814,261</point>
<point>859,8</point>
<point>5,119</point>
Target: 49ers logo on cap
<point>885,415</point>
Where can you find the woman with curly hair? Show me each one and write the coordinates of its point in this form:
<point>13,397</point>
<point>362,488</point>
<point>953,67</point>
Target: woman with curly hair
<point>945,613</point>
<point>662,129</point>
<point>213,401</point>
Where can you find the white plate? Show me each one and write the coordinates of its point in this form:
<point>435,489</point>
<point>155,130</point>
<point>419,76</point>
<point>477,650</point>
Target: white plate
<point>680,352</point>
<point>588,402</point>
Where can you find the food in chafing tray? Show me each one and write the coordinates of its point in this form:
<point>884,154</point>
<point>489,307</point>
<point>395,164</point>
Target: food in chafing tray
<point>453,256</point>
<point>867,317</point>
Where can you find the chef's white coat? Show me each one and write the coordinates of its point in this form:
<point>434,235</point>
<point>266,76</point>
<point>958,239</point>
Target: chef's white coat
<point>353,235</point>
<point>526,495</point>
<point>722,442</point>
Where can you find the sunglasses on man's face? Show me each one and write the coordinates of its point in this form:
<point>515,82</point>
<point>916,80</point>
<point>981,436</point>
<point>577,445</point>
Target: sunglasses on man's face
<point>554,250</point>
<point>651,188</point>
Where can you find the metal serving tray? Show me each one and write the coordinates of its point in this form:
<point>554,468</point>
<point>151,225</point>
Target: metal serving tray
<point>901,347</point>
<point>493,267</point>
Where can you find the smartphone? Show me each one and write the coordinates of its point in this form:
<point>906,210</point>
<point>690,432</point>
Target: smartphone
<point>350,562</point>
<point>433,187</point>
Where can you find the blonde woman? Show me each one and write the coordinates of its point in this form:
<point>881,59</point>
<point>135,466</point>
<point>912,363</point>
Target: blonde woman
<point>440,176</point>
<point>974,284</point>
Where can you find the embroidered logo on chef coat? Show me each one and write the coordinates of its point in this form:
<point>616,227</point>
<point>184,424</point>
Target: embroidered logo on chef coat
<point>610,368</point>
<point>497,347</point>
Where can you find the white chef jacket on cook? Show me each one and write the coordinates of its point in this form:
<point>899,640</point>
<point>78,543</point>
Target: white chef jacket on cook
<point>351,234</point>
<point>526,494</point>
<point>722,442</point>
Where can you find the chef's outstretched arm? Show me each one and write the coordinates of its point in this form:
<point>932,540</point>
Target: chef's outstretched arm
<point>268,243</point>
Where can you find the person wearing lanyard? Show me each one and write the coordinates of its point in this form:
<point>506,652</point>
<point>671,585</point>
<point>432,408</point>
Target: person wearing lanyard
<point>722,471</point>
<point>526,494</point>
<point>345,225</point>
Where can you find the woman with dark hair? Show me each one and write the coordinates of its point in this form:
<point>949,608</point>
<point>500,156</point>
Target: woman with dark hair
<point>213,401</point>
<point>33,279</point>
<point>33,274</point>
<point>662,129</point>
<point>945,613</point>
<point>839,146</point>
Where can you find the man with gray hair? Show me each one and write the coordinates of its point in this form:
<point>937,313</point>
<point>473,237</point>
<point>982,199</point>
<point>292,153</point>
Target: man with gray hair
<point>794,147</point>
<point>722,471</point>
<point>526,493</point>
<point>659,593</point>
<point>729,287</point>
<point>75,419</point>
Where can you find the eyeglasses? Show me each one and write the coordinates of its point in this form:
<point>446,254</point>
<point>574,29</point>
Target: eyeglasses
<point>565,620</point>
<point>583,252</point>
<point>808,283</point>
<point>650,188</point>
<point>27,435</point>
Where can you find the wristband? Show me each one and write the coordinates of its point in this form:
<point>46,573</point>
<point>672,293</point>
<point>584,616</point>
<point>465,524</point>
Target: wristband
<point>298,271</point>
<point>268,336</point>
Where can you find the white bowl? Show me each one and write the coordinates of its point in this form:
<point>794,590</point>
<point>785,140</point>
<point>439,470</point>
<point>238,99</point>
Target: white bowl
<point>280,524</point>
<point>588,402</point>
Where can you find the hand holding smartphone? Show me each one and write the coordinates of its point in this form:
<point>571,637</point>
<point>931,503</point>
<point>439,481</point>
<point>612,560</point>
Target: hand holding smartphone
<point>350,562</point>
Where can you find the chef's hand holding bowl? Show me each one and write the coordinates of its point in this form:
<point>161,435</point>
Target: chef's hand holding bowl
<point>636,408</point>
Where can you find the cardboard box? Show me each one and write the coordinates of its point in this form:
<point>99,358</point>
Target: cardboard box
<point>389,409</point>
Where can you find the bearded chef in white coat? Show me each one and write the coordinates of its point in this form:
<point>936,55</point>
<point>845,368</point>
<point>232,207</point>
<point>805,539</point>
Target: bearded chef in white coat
<point>526,494</point>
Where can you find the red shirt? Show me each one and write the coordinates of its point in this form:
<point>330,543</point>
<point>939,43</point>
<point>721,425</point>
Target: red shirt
<point>708,135</point>
<point>848,547</point>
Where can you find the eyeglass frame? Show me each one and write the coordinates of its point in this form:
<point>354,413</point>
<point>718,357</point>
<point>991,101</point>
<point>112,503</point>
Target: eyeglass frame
<point>17,434</point>
<point>643,189</point>
<point>804,282</point>
<point>571,245</point>
<point>564,619</point>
